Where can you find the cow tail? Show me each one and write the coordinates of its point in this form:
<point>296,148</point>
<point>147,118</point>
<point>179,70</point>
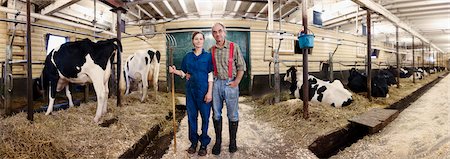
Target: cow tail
<point>119,44</point>
<point>126,78</point>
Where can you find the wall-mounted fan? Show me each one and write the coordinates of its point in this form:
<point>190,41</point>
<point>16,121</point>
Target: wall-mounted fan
<point>148,30</point>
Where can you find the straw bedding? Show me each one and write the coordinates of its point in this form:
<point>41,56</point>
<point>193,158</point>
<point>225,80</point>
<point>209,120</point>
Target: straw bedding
<point>72,133</point>
<point>323,119</point>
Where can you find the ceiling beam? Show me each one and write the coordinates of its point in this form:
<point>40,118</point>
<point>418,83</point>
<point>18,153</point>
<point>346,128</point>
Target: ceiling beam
<point>417,4</point>
<point>392,18</point>
<point>144,11</point>
<point>166,3</point>
<point>416,9</point>
<point>57,6</point>
<point>289,12</point>
<point>197,6</point>
<point>236,7</point>
<point>157,10</point>
<point>183,6</point>
<point>249,9</point>
<point>261,11</point>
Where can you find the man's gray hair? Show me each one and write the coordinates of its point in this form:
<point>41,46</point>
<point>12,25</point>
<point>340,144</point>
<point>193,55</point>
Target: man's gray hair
<point>223,26</point>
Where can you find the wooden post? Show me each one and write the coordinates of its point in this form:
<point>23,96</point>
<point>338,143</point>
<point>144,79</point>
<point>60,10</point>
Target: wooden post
<point>29,62</point>
<point>277,76</point>
<point>414,59</point>
<point>305,63</point>
<point>119,59</point>
<point>172,85</point>
<point>398,57</point>
<point>423,55</point>
<point>369,57</point>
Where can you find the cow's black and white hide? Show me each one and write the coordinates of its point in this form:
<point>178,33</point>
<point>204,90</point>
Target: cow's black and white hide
<point>38,91</point>
<point>333,93</point>
<point>390,78</point>
<point>80,62</point>
<point>357,82</point>
<point>142,67</point>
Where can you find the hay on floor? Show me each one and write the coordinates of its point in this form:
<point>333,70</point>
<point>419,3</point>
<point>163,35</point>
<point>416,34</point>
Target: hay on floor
<point>72,133</point>
<point>323,119</point>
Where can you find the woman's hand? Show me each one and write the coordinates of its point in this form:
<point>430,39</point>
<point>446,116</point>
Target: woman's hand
<point>208,97</point>
<point>172,69</point>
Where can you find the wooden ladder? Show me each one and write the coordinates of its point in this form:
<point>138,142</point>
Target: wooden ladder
<point>18,52</point>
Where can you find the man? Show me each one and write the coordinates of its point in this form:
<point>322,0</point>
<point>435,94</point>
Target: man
<point>229,67</point>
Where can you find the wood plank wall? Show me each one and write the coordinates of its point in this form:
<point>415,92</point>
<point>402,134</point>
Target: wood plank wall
<point>259,67</point>
<point>320,51</point>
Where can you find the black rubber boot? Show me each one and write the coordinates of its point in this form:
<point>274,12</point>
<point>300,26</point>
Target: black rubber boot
<point>233,127</point>
<point>218,129</point>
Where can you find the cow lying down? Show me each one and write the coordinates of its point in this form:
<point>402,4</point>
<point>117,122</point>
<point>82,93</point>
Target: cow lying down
<point>141,67</point>
<point>333,93</point>
<point>80,62</point>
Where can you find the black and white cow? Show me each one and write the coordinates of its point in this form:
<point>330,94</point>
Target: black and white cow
<point>333,93</point>
<point>357,82</point>
<point>80,62</point>
<point>142,67</point>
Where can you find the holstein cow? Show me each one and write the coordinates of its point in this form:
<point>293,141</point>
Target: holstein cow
<point>141,67</point>
<point>333,93</point>
<point>80,62</point>
<point>357,82</point>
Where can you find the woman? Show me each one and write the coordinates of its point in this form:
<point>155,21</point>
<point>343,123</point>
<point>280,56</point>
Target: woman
<point>197,65</point>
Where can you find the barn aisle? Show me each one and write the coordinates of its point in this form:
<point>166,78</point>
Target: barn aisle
<point>420,131</point>
<point>256,139</point>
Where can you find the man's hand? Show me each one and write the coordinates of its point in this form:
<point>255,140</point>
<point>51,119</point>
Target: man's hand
<point>234,83</point>
<point>188,76</point>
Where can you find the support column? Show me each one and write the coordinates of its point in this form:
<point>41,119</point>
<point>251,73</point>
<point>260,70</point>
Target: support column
<point>413,61</point>
<point>369,56</point>
<point>423,55</point>
<point>29,62</point>
<point>305,97</point>
<point>119,59</point>
<point>398,57</point>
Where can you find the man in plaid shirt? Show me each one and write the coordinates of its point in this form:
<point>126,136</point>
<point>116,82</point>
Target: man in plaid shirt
<point>229,67</point>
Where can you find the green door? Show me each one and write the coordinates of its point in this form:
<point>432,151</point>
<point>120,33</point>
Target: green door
<point>184,45</point>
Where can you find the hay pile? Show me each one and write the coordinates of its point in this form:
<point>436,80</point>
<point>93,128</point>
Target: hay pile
<point>323,119</point>
<point>71,133</point>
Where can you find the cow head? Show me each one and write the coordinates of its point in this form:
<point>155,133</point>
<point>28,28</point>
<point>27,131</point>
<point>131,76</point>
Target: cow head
<point>291,75</point>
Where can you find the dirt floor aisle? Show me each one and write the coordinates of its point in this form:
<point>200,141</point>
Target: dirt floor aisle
<point>256,139</point>
<point>420,131</point>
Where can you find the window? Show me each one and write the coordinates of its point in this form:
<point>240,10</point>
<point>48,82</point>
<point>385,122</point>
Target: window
<point>317,18</point>
<point>54,41</point>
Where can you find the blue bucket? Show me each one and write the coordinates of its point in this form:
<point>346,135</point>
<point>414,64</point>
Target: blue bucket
<point>306,41</point>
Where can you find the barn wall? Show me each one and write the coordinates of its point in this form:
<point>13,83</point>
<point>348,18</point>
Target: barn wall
<point>38,42</point>
<point>320,51</point>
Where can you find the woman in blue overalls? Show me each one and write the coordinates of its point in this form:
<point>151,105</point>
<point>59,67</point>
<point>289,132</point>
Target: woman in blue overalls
<point>197,66</point>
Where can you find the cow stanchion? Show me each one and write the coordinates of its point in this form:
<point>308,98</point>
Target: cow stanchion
<point>172,85</point>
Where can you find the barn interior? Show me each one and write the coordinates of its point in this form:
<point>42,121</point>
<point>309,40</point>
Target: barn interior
<point>361,34</point>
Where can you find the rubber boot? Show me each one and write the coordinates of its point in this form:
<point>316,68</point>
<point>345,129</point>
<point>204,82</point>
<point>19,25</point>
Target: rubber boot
<point>233,127</point>
<point>218,129</point>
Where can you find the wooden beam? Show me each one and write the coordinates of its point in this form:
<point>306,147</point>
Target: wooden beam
<point>249,9</point>
<point>261,11</point>
<point>57,6</point>
<point>392,18</point>
<point>166,3</point>
<point>183,6</point>
<point>156,9</point>
<point>144,11</point>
